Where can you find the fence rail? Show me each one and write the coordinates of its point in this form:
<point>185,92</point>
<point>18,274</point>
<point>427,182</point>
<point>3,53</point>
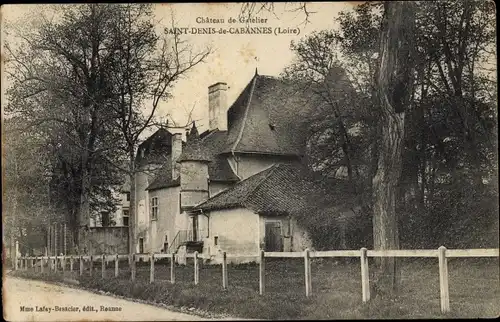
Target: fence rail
<point>442,254</point>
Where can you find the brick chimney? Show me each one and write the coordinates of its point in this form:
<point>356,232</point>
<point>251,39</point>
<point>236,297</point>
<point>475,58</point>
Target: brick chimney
<point>217,106</point>
<point>176,153</point>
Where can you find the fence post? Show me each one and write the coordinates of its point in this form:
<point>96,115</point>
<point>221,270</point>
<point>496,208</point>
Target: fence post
<point>55,263</point>
<point>224,271</point>
<point>81,265</point>
<point>152,268</point>
<point>196,269</point>
<point>443,280</point>
<point>64,232</point>
<point>262,274</point>
<point>49,242</point>
<point>132,268</point>
<point>55,242</point>
<point>172,269</point>
<point>103,266</point>
<point>16,257</point>
<point>116,265</point>
<point>63,263</point>
<point>365,282</point>
<point>91,265</point>
<point>41,264</point>
<point>71,263</point>
<point>33,263</point>
<point>307,272</point>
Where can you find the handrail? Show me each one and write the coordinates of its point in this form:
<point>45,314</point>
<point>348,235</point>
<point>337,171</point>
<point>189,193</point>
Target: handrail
<point>183,236</point>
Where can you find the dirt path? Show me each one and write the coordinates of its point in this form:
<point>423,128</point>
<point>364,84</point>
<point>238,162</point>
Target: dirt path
<point>28,300</point>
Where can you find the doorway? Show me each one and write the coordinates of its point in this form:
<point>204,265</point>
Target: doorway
<point>273,236</point>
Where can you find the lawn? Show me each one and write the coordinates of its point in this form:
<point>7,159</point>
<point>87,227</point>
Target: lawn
<point>474,289</point>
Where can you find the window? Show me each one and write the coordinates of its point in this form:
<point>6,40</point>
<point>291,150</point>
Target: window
<point>141,245</point>
<point>154,208</point>
<point>125,217</point>
<point>128,196</point>
<point>105,219</point>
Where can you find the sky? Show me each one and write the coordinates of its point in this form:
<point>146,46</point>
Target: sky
<point>234,57</point>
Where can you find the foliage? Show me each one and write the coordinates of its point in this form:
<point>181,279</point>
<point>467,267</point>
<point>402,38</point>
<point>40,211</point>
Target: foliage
<point>85,81</point>
<point>26,206</point>
<point>448,192</point>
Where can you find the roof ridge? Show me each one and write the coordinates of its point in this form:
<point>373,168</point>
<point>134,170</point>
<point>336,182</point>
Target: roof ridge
<point>209,134</point>
<point>240,135</point>
<point>273,168</point>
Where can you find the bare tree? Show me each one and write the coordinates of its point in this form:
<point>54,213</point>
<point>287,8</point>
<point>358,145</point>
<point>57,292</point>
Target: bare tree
<point>145,68</point>
<point>89,76</point>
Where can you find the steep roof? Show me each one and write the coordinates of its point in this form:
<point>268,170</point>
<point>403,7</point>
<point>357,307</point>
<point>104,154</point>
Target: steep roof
<point>207,148</point>
<point>283,189</point>
<point>155,148</point>
<point>269,116</point>
<point>163,178</point>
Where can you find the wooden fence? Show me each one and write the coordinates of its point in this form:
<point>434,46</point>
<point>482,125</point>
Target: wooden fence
<point>441,253</point>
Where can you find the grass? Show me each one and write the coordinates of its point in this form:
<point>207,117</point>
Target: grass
<point>474,289</point>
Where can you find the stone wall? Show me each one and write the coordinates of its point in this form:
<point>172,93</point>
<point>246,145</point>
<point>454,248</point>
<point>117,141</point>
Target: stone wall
<point>107,240</point>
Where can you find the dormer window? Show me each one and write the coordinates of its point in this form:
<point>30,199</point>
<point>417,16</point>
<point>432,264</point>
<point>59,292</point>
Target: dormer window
<point>271,126</point>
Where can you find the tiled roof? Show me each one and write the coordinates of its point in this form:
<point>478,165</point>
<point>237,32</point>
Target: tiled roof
<point>155,148</point>
<point>269,116</point>
<point>163,178</point>
<point>207,148</point>
<point>283,189</point>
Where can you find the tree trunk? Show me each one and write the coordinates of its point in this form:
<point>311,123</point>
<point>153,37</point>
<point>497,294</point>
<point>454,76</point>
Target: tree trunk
<point>385,219</point>
<point>394,83</point>
<point>84,215</point>
<point>132,206</point>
